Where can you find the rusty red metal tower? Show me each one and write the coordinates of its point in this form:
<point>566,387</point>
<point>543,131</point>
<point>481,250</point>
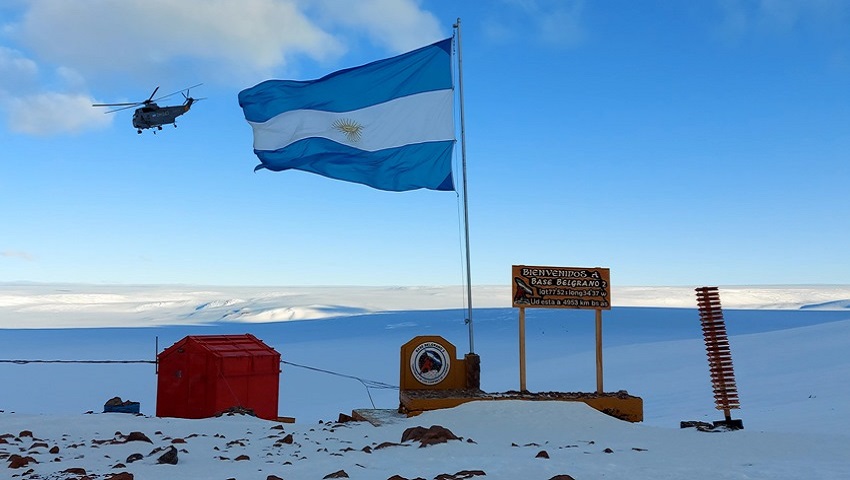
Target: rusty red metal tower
<point>719,355</point>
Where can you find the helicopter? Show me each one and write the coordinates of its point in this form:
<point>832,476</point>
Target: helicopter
<point>151,115</point>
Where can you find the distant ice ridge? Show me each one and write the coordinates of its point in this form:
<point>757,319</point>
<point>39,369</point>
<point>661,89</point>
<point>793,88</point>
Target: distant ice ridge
<point>833,305</point>
<point>25,305</point>
<point>756,297</point>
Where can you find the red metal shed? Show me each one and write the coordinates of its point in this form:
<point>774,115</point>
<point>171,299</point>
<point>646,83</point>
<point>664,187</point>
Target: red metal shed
<point>203,375</point>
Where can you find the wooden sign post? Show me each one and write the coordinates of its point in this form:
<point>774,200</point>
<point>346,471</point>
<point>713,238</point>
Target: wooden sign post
<point>599,351</point>
<point>522,349</point>
<point>561,287</point>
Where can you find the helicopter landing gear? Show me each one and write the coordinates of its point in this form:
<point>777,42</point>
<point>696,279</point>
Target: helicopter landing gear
<point>139,131</point>
<point>159,127</point>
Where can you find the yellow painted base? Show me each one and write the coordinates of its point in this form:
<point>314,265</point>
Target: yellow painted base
<point>619,405</point>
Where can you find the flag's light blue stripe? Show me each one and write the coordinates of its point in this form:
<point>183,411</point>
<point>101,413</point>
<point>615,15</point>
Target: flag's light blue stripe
<point>422,165</point>
<point>423,117</point>
<point>422,70</point>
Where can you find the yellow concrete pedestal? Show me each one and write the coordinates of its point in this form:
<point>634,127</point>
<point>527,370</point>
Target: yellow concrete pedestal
<point>619,405</point>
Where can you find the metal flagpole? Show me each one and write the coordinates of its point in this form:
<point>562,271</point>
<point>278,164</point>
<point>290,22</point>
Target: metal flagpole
<point>465,191</point>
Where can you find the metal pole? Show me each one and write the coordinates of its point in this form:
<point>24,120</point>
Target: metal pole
<point>465,190</point>
<point>522,349</point>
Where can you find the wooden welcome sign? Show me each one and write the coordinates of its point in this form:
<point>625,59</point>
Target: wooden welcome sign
<point>561,287</point>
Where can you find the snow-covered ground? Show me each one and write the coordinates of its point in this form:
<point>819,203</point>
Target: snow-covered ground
<point>789,348</point>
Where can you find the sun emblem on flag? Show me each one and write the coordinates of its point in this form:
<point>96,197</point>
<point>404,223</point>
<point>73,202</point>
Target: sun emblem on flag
<point>351,129</point>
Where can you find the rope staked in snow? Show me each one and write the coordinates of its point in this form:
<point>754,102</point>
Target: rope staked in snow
<point>368,384</point>
<point>24,362</point>
<point>365,382</point>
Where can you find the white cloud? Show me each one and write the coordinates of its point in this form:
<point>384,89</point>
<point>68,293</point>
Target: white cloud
<point>16,71</point>
<point>787,13</point>
<point>562,26</point>
<point>780,16</point>
<point>735,19</point>
<point>29,109</point>
<point>251,37</point>
<point>552,22</point>
<point>145,37</point>
<point>401,25</point>
<point>17,254</point>
<point>74,47</point>
<point>72,78</point>
<point>50,113</point>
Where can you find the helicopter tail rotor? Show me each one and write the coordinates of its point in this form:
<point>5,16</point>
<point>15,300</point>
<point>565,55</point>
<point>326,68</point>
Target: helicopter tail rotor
<point>189,100</point>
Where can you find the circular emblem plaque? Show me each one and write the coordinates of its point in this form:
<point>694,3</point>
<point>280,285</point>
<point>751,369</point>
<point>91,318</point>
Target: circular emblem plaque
<point>430,363</point>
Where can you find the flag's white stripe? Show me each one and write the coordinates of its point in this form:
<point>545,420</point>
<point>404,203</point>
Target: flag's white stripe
<point>423,117</point>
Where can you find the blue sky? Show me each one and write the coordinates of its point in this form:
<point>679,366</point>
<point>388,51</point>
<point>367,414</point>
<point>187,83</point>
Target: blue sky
<point>676,143</point>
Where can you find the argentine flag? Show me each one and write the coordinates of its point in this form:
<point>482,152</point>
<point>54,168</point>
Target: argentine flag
<point>388,124</point>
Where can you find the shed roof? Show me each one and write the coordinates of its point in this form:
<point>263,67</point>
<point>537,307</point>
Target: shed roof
<point>245,345</point>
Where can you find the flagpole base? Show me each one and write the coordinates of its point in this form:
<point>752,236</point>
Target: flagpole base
<point>473,371</point>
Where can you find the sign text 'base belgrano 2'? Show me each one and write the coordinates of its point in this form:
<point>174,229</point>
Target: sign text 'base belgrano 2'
<point>561,287</point>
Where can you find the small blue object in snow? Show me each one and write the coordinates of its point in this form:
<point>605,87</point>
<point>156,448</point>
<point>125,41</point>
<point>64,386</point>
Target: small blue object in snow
<point>128,407</point>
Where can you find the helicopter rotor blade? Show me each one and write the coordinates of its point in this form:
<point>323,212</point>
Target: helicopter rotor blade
<point>124,108</point>
<point>149,100</point>
<point>152,94</point>
<point>175,93</point>
<point>186,93</point>
<point>115,104</point>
